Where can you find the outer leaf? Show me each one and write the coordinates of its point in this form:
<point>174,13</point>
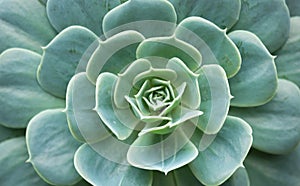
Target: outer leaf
<point>276,127</point>
<point>215,98</point>
<point>100,171</point>
<point>256,82</point>
<point>265,169</point>
<point>288,57</point>
<point>222,13</point>
<point>239,178</point>
<point>51,148</point>
<point>7,133</point>
<point>24,24</point>
<point>14,170</point>
<point>65,13</point>
<point>294,7</point>
<point>211,41</point>
<point>21,97</point>
<point>225,155</point>
<point>263,17</point>
<point>150,18</point>
<point>61,58</point>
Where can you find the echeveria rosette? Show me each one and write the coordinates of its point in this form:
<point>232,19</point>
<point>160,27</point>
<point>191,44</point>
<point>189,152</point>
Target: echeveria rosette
<point>155,112</point>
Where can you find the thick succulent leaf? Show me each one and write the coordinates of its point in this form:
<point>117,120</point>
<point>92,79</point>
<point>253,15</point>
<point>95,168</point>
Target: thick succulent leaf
<point>265,169</point>
<point>239,178</point>
<point>294,7</point>
<point>61,58</point>
<point>51,147</point>
<point>151,18</point>
<point>84,123</point>
<point>24,24</point>
<point>14,170</point>
<point>276,126</point>
<point>210,40</point>
<point>65,13</point>
<point>215,98</point>
<point>225,154</point>
<point>288,57</point>
<point>121,122</point>
<point>222,13</point>
<point>21,97</point>
<point>113,54</point>
<point>7,133</point>
<point>169,47</point>
<point>162,152</point>
<point>98,170</point>
<point>263,17</point>
<point>256,82</point>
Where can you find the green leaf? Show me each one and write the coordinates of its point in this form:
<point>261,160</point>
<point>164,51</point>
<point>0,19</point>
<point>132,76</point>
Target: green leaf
<point>256,82</point>
<point>167,48</point>
<point>239,178</point>
<point>14,170</point>
<point>24,25</point>
<point>287,61</point>
<point>294,7</point>
<point>113,54</point>
<point>151,18</point>
<point>210,40</point>
<point>275,125</point>
<point>7,133</point>
<point>21,97</point>
<point>264,169</point>
<point>61,58</point>
<point>51,147</point>
<point>84,123</point>
<point>215,98</point>
<point>98,170</point>
<point>263,17</point>
<point>223,13</point>
<point>161,152</point>
<point>44,2</point>
<point>65,13</point>
<point>224,155</point>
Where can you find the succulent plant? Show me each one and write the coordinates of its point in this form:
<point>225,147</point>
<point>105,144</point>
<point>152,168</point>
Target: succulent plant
<point>149,92</point>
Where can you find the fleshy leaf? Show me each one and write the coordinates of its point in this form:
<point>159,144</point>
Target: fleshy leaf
<point>223,13</point>
<point>210,40</point>
<point>24,25</point>
<point>7,133</point>
<point>276,127</point>
<point>215,98</point>
<point>239,178</point>
<point>151,18</point>
<point>21,97</point>
<point>256,82</point>
<point>84,123</point>
<point>169,47</point>
<point>225,154</point>
<point>265,169</point>
<point>14,170</point>
<point>294,7</point>
<point>65,13</point>
<point>98,170</point>
<point>114,54</point>
<point>51,147</point>
<point>269,20</point>
<point>288,57</point>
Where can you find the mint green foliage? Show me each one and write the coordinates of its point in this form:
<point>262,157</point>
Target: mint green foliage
<point>149,92</point>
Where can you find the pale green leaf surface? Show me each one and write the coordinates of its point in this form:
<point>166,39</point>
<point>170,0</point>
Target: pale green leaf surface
<point>223,13</point>
<point>294,7</point>
<point>84,123</point>
<point>65,13</point>
<point>256,82</point>
<point>24,24</point>
<point>100,171</point>
<point>225,154</point>
<point>268,19</point>
<point>239,178</point>
<point>61,58</point>
<point>288,57</point>
<point>276,126</point>
<point>51,147</point>
<point>150,18</point>
<point>212,42</point>
<point>21,97</point>
<point>14,170</point>
<point>7,133</point>
<point>265,169</point>
<point>215,98</point>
